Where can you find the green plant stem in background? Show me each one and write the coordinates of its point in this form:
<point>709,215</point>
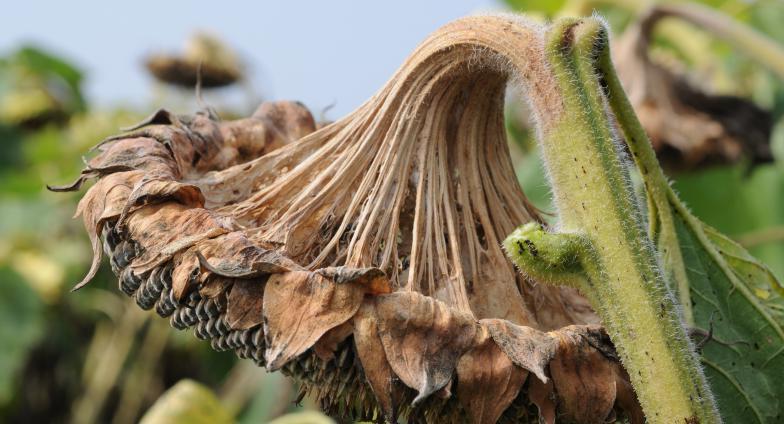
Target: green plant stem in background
<point>601,237</point>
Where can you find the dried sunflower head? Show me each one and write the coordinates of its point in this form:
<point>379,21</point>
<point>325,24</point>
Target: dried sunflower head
<point>364,258</point>
<point>205,57</point>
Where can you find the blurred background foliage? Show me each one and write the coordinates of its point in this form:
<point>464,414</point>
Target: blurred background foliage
<point>95,357</point>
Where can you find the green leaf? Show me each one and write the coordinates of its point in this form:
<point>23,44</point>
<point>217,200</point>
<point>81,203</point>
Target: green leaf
<point>736,203</point>
<point>187,402</point>
<point>21,326</point>
<point>46,64</point>
<point>740,299</point>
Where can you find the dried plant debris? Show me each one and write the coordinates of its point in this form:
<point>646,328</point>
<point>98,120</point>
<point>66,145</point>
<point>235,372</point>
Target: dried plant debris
<point>688,128</point>
<point>362,258</point>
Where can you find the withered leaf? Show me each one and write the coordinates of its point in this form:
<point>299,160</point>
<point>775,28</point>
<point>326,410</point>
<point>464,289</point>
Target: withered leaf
<point>583,378</point>
<point>233,255</point>
<point>423,339</point>
<point>688,127</point>
<point>214,286</point>
<point>374,362</point>
<point>166,228</point>
<point>526,347</point>
<point>326,346</point>
<point>299,307</point>
<point>245,304</point>
<point>184,272</point>
<point>103,201</point>
<point>373,279</point>
<point>488,381</point>
<point>153,190</point>
<point>135,153</point>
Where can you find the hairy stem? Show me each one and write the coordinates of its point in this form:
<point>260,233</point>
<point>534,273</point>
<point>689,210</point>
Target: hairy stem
<point>601,230</point>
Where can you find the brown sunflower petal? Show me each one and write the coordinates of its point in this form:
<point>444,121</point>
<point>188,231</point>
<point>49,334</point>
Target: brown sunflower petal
<point>488,381</point>
<point>374,362</point>
<point>167,228</point>
<point>103,201</point>
<point>299,307</point>
<point>583,378</point>
<point>233,255</point>
<point>423,339</point>
<point>245,304</point>
<point>526,347</point>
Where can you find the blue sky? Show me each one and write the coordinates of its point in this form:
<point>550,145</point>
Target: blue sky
<point>318,52</point>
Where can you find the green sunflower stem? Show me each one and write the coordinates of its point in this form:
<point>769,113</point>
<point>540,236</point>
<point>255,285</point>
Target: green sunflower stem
<point>602,246</point>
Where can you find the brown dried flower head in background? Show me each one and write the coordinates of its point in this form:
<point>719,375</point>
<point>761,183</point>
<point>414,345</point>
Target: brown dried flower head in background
<point>364,258</point>
<point>688,127</point>
<point>205,56</point>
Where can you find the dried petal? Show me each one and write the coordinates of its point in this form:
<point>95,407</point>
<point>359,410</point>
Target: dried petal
<point>104,201</point>
<point>214,286</point>
<point>374,279</point>
<point>371,354</point>
<point>488,381</point>
<point>299,307</point>
<point>583,377</point>
<point>186,268</point>
<point>233,255</point>
<point>526,347</point>
<point>423,339</point>
<point>165,229</point>
<point>326,346</point>
<point>245,304</point>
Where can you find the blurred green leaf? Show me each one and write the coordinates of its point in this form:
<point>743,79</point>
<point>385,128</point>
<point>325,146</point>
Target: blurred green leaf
<point>187,402</point>
<point>306,417</point>
<point>21,326</point>
<point>267,401</point>
<point>38,87</point>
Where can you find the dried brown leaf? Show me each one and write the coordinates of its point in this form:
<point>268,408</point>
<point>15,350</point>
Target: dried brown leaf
<point>184,273</point>
<point>167,228</point>
<point>326,346</point>
<point>214,286</point>
<point>526,347</point>
<point>135,153</point>
<point>687,126</point>
<point>233,255</point>
<point>423,339</point>
<point>374,362</point>
<point>583,378</point>
<point>373,279</point>
<point>299,307</point>
<point>488,381</point>
<point>104,201</point>
<point>245,304</point>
